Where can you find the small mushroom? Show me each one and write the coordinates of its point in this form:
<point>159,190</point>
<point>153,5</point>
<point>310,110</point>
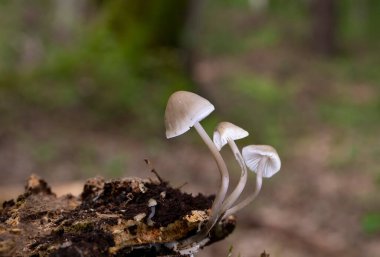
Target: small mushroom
<point>183,111</point>
<point>152,205</point>
<point>265,162</point>
<point>227,133</point>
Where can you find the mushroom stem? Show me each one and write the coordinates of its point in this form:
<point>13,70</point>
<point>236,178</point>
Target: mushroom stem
<point>217,205</point>
<point>149,220</point>
<point>231,199</point>
<point>249,199</point>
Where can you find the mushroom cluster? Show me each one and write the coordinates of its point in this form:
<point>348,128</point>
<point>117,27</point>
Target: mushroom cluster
<point>185,110</point>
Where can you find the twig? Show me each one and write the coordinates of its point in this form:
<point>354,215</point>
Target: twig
<point>184,184</point>
<point>153,170</point>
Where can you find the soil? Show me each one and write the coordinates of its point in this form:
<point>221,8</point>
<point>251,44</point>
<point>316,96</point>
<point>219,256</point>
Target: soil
<point>126,199</point>
<point>109,218</point>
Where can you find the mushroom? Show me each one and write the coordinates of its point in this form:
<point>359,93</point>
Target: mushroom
<point>265,162</point>
<point>152,205</point>
<point>183,111</point>
<point>224,133</point>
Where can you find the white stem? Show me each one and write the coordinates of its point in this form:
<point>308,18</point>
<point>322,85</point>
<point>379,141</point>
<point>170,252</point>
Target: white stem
<point>243,178</point>
<point>200,238</point>
<point>217,205</point>
<point>248,200</point>
<point>150,222</point>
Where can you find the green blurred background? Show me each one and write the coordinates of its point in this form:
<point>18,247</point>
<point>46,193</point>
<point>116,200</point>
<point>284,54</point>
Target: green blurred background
<point>84,84</point>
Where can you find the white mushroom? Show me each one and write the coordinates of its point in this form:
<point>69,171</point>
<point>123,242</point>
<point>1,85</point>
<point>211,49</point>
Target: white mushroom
<point>152,205</point>
<point>183,111</point>
<point>265,162</point>
<point>224,133</point>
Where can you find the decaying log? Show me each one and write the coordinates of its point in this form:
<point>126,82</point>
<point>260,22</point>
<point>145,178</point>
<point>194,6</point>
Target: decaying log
<point>109,218</point>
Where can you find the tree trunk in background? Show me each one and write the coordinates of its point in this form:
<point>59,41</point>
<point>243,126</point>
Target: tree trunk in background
<point>66,17</point>
<point>189,39</point>
<point>323,13</point>
<point>147,25</point>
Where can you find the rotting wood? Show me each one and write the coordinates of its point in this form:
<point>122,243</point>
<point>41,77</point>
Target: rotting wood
<point>107,219</point>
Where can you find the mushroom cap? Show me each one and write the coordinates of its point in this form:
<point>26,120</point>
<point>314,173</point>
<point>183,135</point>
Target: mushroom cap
<point>226,131</point>
<point>253,154</point>
<point>152,202</point>
<point>183,110</point>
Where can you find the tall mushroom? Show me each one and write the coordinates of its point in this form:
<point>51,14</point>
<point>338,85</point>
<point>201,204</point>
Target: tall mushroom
<point>183,111</point>
<point>227,133</point>
<point>265,162</point>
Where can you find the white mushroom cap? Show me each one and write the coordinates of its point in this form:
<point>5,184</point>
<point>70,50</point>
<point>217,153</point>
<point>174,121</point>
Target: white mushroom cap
<point>183,110</point>
<point>253,154</point>
<point>226,131</point>
<point>152,202</point>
